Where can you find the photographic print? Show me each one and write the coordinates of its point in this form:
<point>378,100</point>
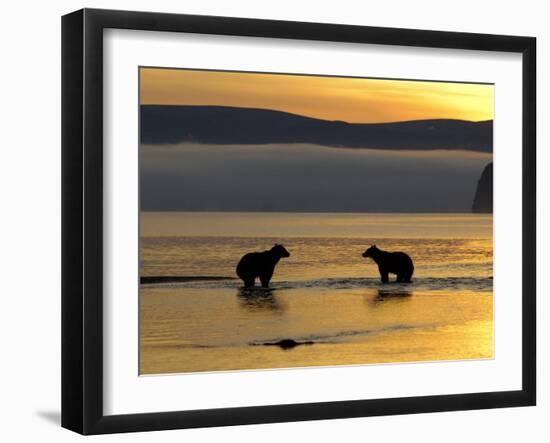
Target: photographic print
<point>292,220</point>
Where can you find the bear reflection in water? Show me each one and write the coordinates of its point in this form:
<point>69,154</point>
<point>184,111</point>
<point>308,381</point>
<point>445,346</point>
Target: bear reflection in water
<point>258,299</point>
<point>260,264</point>
<point>384,295</point>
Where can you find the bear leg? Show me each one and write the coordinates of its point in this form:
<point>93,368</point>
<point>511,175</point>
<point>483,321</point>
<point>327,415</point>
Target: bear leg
<point>405,277</point>
<point>384,276</point>
<point>249,282</point>
<point>265,278</point>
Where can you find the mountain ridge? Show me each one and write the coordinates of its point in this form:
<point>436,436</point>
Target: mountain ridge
<point>169,124</point>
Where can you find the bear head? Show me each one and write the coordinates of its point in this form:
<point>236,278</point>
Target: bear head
<point>280,251</point>
<point>371,252</point>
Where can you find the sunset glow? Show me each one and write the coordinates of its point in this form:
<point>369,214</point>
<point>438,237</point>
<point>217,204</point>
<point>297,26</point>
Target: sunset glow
<point>355,100</point>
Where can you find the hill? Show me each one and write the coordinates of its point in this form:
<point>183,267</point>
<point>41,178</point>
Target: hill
<point>162,124</point>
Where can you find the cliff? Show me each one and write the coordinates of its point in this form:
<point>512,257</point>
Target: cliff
<point>483,200</point>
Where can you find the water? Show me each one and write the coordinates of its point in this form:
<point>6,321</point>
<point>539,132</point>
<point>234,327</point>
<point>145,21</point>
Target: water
<point>325,300</point>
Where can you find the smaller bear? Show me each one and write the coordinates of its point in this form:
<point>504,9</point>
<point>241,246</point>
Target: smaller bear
<point>397,263</point>
<point>260,264</point>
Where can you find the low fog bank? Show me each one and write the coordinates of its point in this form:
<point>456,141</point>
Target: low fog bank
<point>306,178</point>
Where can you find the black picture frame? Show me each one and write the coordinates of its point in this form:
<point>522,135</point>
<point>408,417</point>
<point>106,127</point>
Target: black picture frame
<point>82,221</point>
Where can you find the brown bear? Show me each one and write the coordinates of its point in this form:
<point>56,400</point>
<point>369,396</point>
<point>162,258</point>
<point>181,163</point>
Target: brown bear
<point>260,264</point>
<point>397,263</point>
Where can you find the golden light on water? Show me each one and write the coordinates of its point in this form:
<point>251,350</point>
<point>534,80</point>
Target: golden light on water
<point>419,326</point>
<point>355,100</point>
<point>324,294</point>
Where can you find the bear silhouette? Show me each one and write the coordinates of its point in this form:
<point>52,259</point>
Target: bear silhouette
<point>260,264</point>
<point>397,263</point>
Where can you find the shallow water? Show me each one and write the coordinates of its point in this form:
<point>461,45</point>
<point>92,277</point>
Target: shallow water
<point>326,300</point>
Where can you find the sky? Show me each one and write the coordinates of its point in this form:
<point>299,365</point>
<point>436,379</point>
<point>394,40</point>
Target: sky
<point>355,100</point>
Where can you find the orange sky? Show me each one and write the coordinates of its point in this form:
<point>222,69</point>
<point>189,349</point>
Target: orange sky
<point>355,100</point>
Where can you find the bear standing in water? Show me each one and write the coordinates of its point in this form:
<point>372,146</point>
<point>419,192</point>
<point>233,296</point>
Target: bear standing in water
<point>260,264</point>
<point>397,263</point>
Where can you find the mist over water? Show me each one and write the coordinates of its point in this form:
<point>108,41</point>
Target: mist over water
<point>306,178</point>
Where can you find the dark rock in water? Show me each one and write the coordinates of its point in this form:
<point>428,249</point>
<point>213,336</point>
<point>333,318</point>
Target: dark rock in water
<point>483,200</point>
<point>287,343</point>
